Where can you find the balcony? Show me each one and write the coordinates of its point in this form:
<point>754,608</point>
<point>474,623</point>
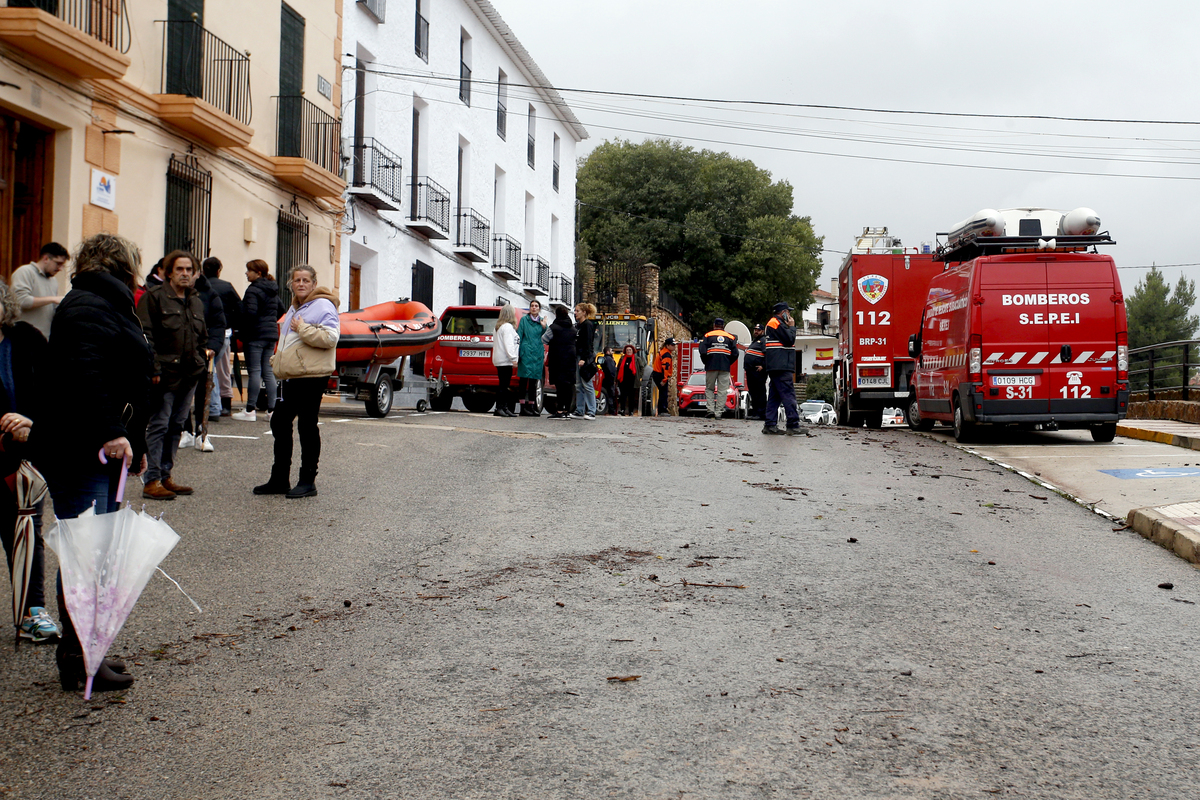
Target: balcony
<point>376,8</point>
<point>205,87</point>
<point>562,291</point>
<point>536,276</point>
<point>87,38</point>
<point>374,174</point>
<point>474,234</point>
<point>429,212</point>
<point>308,148</point>
<point>506,257</point>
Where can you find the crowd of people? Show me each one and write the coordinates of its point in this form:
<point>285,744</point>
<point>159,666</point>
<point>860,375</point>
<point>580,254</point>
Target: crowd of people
<point>115,373</point>
<point>563,349</point>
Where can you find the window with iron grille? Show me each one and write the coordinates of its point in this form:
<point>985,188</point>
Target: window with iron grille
<point>422,34</point>
<point>467,293</point>
<point>291,248</point>
<point>376,8</point>
<point>532,128</point>
<point>464,68</point>
<point>189,206</point>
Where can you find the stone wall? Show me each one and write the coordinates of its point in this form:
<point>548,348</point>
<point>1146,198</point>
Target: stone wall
<point>1178,410</point>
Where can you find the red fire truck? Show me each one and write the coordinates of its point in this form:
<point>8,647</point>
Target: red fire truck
<point>1026,326</point>
<point>881,290</point>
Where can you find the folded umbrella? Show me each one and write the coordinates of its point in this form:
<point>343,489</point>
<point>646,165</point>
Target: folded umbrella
<point>106,560</point>
<point>29,488</point>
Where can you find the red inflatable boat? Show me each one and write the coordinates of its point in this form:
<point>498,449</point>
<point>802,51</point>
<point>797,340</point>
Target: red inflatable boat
<point>384,332</point>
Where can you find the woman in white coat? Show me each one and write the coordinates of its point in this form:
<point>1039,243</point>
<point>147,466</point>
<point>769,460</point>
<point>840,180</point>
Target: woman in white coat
<point>505,348</point>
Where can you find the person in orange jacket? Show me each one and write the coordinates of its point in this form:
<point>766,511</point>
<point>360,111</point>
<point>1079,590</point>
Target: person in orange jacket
<point>664,368</point>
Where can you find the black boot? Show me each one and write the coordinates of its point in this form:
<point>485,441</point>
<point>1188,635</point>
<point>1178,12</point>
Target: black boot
<point>306,486</point>
<point>69,657</point>
<point>278,484</point>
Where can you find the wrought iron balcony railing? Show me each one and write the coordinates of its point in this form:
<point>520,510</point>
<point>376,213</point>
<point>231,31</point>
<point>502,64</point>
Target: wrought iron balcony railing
<point>376,8</point>
<point>536,275</point>
<point>506,255</point>
<point>373,166</point>
<point>474,232</point>
<point>104,20</point>
<point>430,203</point>
<point>198,64</point>
<point>562,290</point>
<point>305,131</point>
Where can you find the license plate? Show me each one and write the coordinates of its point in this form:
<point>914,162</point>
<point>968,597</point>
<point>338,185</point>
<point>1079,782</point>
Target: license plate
<point>882,380</point>
<point>474,353</point>
<point>1014,380</point>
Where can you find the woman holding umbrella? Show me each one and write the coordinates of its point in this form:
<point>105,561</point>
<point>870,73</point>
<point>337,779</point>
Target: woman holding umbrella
<point>94,400</point>
<point>22,352</point>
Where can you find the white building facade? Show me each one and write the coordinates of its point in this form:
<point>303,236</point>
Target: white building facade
<point>460,161</point>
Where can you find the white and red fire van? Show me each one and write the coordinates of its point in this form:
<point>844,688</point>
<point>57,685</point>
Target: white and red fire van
<point>1025,326</point>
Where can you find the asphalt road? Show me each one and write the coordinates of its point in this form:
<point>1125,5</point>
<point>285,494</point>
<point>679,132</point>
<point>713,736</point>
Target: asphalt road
<point>445,620</point>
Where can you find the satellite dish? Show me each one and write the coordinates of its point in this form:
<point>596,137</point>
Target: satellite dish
<point>739,330</point>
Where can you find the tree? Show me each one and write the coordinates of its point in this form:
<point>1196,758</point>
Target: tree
<point>1154,317</point>
<point>720,229</point>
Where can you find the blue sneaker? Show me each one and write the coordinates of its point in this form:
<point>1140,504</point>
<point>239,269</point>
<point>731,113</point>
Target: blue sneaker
<point>38,627</point>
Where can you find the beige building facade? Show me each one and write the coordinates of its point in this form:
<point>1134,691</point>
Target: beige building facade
<point>206,125</point>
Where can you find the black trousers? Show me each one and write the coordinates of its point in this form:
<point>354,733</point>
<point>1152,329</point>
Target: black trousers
<point>609,389</point>
<point>756,382</point>
<point>663,395</point>
<point>628,397</point>
<point>527,390</point>
<point>300,401</point>
<point>504,388</point>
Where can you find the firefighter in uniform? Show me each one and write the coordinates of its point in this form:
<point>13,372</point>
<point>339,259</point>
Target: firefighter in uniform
<point>780,344</point>
<point>664,368</point>
<point>756,374</point>
<point>718,351</point>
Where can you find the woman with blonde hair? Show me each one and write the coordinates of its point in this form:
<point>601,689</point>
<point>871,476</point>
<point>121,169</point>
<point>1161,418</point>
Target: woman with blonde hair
<point>307,355</point>
<point>506,349</point>
<point>585,351</point>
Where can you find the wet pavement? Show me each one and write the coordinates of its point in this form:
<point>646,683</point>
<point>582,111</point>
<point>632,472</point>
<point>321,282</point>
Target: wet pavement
<point>476,607</point>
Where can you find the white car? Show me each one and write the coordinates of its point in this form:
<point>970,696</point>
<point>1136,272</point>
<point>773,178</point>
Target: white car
<point>818,413</point>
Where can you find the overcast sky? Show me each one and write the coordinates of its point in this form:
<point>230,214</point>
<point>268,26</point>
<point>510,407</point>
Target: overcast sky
<point>1110,59</point>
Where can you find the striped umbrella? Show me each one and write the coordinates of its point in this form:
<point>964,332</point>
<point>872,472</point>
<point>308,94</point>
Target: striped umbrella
<point>29,488</point>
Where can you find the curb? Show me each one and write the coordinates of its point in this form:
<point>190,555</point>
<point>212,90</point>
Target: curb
<point>1187,442</point>
<point>1167,531</point>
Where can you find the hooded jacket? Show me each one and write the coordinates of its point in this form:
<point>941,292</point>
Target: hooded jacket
<point>261,311</point>
<point>311,351</point>
<point>533,352</point>
<point>98,389</point>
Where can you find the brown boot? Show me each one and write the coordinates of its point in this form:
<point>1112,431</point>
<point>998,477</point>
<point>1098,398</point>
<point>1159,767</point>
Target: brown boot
<point>175,487</point>
<point>154,490</point>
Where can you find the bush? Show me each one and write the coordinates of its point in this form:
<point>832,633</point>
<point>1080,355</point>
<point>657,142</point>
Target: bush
<point>819,387</point>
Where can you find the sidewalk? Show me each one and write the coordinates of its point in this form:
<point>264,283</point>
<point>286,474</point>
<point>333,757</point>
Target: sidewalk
<point>1175,527</point>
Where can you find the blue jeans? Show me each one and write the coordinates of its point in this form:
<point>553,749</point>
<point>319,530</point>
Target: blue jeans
<point>214,398</point>
<point>162,434</point>
<point>258,363</point>
<point>585,395</point>
<point>782,392</point>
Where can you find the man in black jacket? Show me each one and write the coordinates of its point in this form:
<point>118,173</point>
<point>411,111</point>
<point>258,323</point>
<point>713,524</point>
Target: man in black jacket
<point>719,352</point>
<point>756,374</point>
<point>221,402</point>
<point>172,317</point>
<point>780,347</point>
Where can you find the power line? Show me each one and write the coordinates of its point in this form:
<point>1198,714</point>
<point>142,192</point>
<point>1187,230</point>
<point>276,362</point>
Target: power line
<point>781,104</point>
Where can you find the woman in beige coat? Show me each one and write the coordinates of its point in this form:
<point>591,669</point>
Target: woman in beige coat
<point>308,337</point>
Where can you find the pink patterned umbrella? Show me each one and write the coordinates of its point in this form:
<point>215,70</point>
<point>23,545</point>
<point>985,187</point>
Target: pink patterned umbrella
<point>106,560</point>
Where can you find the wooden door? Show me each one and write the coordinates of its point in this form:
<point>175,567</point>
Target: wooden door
<point>25,201</point>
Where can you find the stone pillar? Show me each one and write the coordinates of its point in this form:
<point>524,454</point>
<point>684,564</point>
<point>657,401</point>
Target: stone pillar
<point>622,298</point>
<point>587,282</point>
<point>649,280</point>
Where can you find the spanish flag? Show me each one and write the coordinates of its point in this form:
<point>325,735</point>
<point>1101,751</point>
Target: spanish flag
<point>824,354</point>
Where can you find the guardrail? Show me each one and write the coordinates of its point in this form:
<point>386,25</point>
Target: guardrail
<point>374,166</point>
<point>536,274</point>
<point>104,20</point>
<point>474,231</point>
<point>1166,368</point>
<point>430,202</point>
